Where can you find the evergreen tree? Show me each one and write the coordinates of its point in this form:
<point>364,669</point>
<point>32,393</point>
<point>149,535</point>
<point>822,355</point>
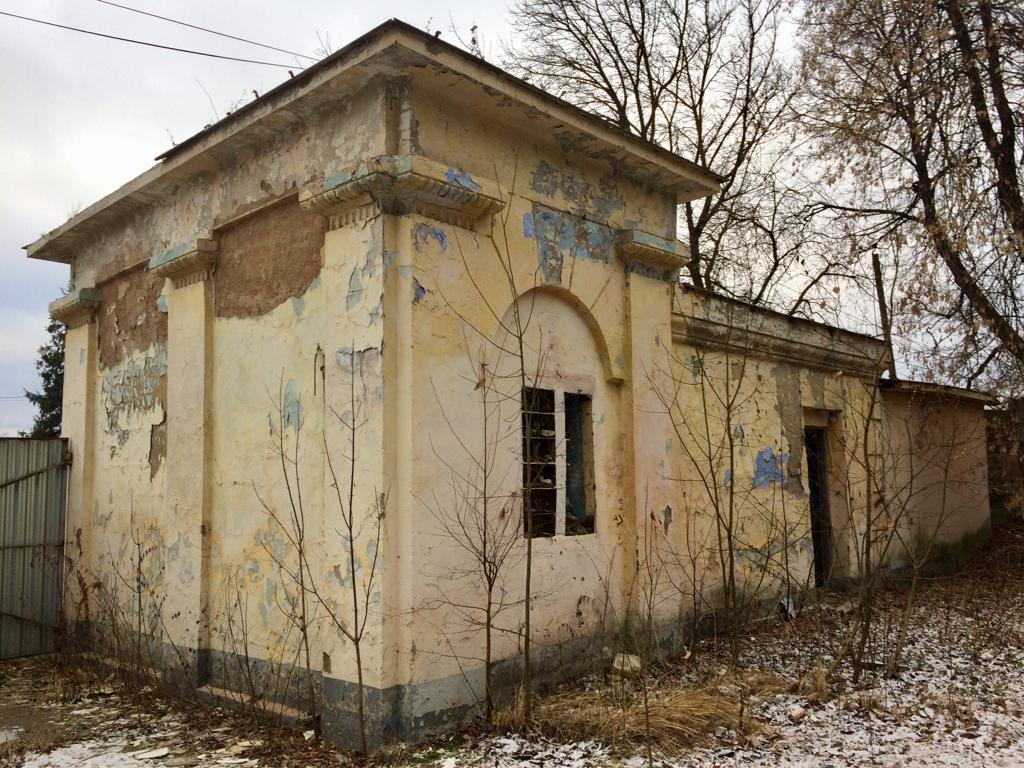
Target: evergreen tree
<point>51,370</point>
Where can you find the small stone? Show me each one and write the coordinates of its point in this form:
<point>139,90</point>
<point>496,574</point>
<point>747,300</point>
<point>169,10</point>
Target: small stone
<point>626,665</point>
<point>153,754</point>
<point>797,714</point>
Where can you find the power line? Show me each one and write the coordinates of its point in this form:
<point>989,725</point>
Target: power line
<point>204,29</point>
<point>143,42</point>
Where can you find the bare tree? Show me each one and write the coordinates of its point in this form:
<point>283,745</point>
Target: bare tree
<point>482,518</point>
<point>292,524</point>
<point>706,398</point>
<point>914,105</point>
<point>355,528</point>
<point>706,79</point>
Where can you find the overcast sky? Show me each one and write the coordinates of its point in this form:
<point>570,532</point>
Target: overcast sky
<point>81,115</point>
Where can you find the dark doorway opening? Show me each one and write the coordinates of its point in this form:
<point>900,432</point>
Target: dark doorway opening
<point>816,443</point>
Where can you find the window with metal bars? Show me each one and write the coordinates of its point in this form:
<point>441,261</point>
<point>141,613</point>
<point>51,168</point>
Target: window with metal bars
<point>558,462</point>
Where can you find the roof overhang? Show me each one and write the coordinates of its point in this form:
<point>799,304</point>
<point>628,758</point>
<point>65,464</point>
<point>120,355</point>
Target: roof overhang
<point>393,48</point>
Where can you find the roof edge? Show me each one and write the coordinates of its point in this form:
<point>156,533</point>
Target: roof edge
<point>185,151</point>
<point>912,387</point>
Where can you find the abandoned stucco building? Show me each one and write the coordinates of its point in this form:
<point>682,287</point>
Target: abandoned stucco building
<point>407,239</point>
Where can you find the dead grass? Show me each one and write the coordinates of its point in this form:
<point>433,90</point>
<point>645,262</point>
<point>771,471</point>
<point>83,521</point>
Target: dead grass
<point>677,716</point>
<point>814,685</point>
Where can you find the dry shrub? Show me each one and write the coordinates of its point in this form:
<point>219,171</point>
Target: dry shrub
<point>678,716</point>
<point>762,684</point>
<point>35,740</point>
<point>814,685</point>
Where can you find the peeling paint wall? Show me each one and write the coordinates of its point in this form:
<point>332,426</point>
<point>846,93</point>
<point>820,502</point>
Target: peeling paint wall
<point>388,303</point>
<point>230,186</point>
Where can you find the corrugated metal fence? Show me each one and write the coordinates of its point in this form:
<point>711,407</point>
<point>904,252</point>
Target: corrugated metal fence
<point>33,487</point>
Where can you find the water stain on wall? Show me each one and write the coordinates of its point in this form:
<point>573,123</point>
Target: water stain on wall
<point>157,446</point>
<point>600,201</point>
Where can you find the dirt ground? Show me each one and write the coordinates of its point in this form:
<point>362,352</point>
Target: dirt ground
<point>957,699</point>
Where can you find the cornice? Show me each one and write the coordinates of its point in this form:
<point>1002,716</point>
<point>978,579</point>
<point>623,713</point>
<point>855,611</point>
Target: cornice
<point>403,184</point>
<point>721,336</point>
<point>190,263</point>
<point>652,256</point>
<point>76,308</point>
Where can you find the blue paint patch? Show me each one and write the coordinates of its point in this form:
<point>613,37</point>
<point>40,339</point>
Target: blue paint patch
<point>359,360</point>
<point>298,305</point>
<point>314,284</point>
<point>355,290</point>
<point>336,179</point>
<point>132,389</point>
<point>161,303</point>
<point>528,224</point>
<point>769,468</point>
<point>404,270</point>
<point>170,255</point>
<point>377,312</point>
<point>418,291</point>
<point>292,406</point>
<point>462,179</point>
<point>646,238</point>
<point>727,478</point>
<point>619,362</point>
<point>389,258</point>
<point>423,234</point>
<point>565,237</point>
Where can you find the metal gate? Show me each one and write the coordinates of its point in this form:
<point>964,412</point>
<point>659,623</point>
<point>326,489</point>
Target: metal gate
<point>33,487</point>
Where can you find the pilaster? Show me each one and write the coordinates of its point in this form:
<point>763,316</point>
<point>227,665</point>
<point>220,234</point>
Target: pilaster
<point>652,269</point>
<point>189,372</point>
<point>77,311</point>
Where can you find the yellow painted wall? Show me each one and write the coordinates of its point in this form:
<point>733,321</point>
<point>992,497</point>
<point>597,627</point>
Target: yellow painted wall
<point>411,317</point>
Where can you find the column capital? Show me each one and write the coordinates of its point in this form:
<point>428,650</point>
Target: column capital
<point>652,256</point>
<point>189,263</point>
<point>76,308</point>
<point>403,184</point>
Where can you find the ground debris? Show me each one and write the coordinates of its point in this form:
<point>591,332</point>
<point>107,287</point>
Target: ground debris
<point>956,700</point>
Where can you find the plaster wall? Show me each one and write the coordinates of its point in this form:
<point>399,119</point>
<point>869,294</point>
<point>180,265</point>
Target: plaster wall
<point>937,450</point>
<point>384,262</point>
<point>738,411</point>
<point>218,190</point>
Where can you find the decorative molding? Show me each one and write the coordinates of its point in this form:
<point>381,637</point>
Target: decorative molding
<point>188,264</point>
<point>75,309</point>
<point>353,215</point>
<point>652,256</point>
<point>400,185</point>
<point>763,341</point>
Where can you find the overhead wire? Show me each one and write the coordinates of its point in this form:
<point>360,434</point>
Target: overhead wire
<point>146,43</point>
<point>205,29</point>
